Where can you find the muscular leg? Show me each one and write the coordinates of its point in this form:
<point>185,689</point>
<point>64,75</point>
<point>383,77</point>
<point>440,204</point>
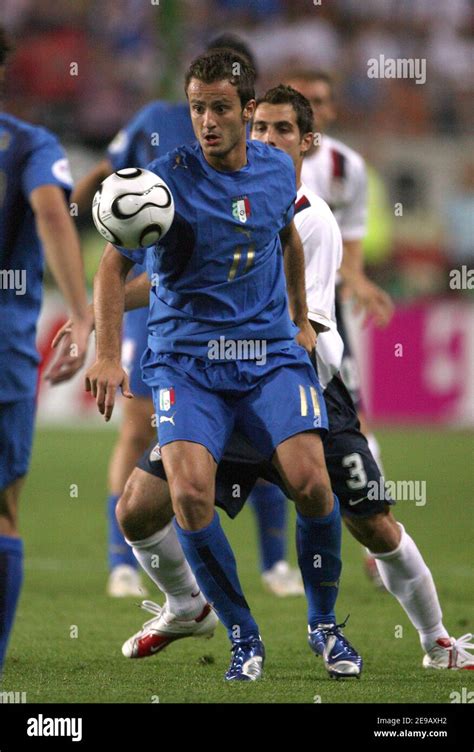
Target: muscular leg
<point>300,461</point>
<point>403,572</point>
<point>136,433</point>
<point>191,470</point>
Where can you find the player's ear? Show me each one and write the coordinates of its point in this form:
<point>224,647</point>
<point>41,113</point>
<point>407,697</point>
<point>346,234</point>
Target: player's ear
<point>306,142</point>
<point>249,110</point>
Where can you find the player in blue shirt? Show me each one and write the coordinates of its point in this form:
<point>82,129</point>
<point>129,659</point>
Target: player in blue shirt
<point>221,283</point>
<point>157,129</point>
<point>34,217</point>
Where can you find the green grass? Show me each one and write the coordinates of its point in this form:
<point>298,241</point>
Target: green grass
<point>66,574</point>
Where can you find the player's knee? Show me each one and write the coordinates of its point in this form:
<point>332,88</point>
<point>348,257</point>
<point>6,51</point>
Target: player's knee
<point>142,511</point>
<point>314,493</point>
<point>192,504</point>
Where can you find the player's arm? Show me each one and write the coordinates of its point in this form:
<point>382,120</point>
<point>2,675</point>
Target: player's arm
<point>368,296</point>
<point>296,285</point>
<point>62,251</point>
<point>86,187</point>
<point>137,293</point>
<point>103,378</point>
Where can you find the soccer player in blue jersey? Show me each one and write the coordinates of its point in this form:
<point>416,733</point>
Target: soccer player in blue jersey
<point>34,218</point>
<point>158,128</point>
<point>222,283</point>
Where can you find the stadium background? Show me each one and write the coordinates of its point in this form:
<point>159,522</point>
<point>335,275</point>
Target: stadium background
<point>83,70</point>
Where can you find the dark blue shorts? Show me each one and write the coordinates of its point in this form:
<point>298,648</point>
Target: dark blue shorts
<point>351,466</point>
<point>134,344</point>
<point>17,421</point>
<point>202,401</point>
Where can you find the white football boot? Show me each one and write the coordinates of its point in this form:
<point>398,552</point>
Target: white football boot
<point>125,581</point>
<point>164,628</point>
<point>451,653</point>
<point>282,580</point>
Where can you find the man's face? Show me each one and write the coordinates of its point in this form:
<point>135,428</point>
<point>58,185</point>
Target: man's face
<point>276,124</point>
<point>217,117</point>
<point>320,97</point>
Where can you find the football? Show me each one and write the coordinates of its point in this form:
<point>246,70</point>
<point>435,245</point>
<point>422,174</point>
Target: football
<point>133,208</point>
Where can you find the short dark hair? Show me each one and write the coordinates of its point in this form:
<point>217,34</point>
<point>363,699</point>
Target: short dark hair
<point>5,46</point>
<point>311,74</point>
<point>224,64</point>
<point>283,94</point>
<point>235,43</point>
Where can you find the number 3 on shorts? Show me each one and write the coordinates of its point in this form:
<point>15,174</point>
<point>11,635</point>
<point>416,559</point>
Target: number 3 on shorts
<point>358,476</point>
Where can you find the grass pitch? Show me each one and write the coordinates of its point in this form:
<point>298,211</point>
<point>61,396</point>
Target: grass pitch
<point>67,638</point>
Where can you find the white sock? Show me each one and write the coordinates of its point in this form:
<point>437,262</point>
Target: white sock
<point>162,558</point>
<point>406,576</point>
<point>374,447</point>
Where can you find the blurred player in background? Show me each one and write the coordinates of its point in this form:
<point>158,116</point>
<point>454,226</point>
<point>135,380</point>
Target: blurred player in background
<point>35,184</point>
<point>157,129</point>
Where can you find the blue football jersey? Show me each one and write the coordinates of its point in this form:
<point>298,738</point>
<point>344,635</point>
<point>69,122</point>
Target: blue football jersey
<point>157,128</point>
<point>29,158</point>
<point>220,266</point>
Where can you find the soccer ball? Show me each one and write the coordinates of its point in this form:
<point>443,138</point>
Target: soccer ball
<point>133,208</point>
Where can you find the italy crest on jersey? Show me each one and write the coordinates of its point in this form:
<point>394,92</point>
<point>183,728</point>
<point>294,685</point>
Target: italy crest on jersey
<point>241,208</point>
<point>167,399</point>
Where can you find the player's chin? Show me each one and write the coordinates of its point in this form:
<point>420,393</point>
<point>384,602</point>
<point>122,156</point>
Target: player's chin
<point>213,147</point>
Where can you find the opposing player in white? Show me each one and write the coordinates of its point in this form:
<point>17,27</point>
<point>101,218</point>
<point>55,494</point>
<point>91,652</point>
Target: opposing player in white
<point>399,562</point>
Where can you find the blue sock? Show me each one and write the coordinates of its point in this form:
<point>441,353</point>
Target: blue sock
<point>318,543</point>
<point>213,563</point>
<point>119,550</point>
<point>11,577</point>
<point>270,507</point>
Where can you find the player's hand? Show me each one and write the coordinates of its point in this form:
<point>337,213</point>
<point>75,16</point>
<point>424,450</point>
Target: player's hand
<point>372,300</point>
<point>67,327</point>
<point>73,338</point>
<point>103,380</point>
<point>306,337</point>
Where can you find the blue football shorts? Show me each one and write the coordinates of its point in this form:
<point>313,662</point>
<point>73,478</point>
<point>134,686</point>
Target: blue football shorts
<point>17,421</point>
<point>203,401</point>
<point>134,344</point>
<point>352,469</point>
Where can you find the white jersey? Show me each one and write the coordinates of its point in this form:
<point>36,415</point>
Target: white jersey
<point>322,244</point>
<point>337,174</point>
